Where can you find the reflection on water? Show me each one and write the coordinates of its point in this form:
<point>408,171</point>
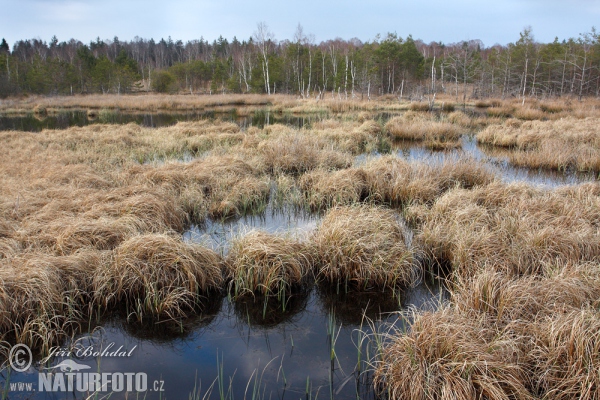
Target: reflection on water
<point>495,160</point>
<point>218,234</point>
<point>63,120</point>
<point>286,348</point>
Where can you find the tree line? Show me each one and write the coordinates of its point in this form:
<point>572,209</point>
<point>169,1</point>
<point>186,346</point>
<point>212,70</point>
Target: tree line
<point>388,65</point>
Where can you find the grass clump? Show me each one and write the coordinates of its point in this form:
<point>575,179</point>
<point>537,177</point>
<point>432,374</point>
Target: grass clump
<point>363,246</point>
<point>511,228</point>
<point>504,111</point>
<point>502,337</point>
<point>568,143</point>
<point>295,154</point>
<point>266,264</point>
<point>568,355</point>
<point>158,275</point>
<point>394,181</point>
<point>418,128</point>
<point>44,298</point>
<point>448,354</point>
<point>323,189</point>
<point>248,195</point>
<point>420,106</point>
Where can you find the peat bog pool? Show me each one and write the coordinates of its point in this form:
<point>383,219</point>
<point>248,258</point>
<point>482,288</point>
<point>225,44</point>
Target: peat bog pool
<point>32,122</point>
<point>317,343</point>
<point>250,348</point>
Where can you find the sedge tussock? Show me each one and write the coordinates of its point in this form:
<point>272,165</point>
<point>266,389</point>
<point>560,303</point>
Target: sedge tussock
<point>245,196</point>
<point>500,111</point>
<point>268,264</point>
<point>395,181</point>
<point>505,299</point>
<point>71,235</point>
<point>449,355</point>
<point>530,114</point>
<point>9,247</point>
<point>158,210</point>
<point>567,355</point>
<point>460,118</point>
<point>420,106</point>
<point>157,274</point>
<point>43,298</point>
<point>508,227</point>
<point>559,144</point>
<point>552,107</point>
<point>417,128</point>
<point>323,189</point>
<point>296,154</point>
<point>363,246</point>
<point>348,136</point>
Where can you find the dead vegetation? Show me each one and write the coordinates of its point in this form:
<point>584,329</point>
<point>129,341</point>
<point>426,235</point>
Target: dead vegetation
<point>568,143</point>
<point>267,264</point>
<point>91,221</point>
<point>363,246</point>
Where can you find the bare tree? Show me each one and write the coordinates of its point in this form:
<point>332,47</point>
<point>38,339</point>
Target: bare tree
<point>263,38</point>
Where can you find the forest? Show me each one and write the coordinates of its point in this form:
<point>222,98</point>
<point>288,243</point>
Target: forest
<point>388,65</point>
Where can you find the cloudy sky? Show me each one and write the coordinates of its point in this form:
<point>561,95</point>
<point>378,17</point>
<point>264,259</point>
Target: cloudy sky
<point>492,22</point>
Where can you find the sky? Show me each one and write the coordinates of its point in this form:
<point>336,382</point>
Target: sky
<point>443,21</point>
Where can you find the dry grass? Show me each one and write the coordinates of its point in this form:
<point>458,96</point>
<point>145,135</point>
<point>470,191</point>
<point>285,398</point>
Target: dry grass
<point>448,355</point>
<point>363,246</point>
<point>43,297</point>
<point>248,195</point>
<point>394,181</point>
<point>568,143</point>
<point>323,189</point>
<point>414,127</point>
<point>501,111</point>
<point>296,154</point>
<point>503,337</point>
<point>511,228</point>
<point>157,274</point>
<point>91,221</point>
<point>568,355</point>
<point>419,106</point>
<point>267,264</point>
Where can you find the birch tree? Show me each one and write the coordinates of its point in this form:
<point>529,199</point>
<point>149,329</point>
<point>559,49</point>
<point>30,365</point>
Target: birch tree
<point>263,38</point>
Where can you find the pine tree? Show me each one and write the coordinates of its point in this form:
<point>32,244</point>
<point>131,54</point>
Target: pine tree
<point>4,46</point>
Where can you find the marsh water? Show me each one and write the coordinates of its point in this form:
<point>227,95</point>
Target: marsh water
<point>32,122</point>
<point>314,344</point>
<point>236,349</point>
